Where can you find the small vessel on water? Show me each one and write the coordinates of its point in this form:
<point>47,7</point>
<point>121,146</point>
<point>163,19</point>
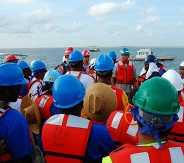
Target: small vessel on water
<point>93,49</point>
<point>143,53</point>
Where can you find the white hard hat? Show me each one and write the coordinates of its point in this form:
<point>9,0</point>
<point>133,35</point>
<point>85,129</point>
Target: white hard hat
<point>174,78</point>
<point>182,64</point>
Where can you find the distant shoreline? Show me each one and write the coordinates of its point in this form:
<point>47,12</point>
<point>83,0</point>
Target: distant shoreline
<point>99,47</point>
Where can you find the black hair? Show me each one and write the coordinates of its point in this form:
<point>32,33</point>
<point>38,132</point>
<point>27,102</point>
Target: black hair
<point>76,110</point>
<point>9,93</point>
<point>76,65</point>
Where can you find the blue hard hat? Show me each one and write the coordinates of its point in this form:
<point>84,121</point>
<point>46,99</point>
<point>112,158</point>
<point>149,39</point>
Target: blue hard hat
<point>150,58</point>
<point>76,56</point>
<point>37,65</point>
<point>51,76</point>
<point>104,63</point>
<point>67,91</point>
<point>11,74</point>
<point>22,64</point>
<point>124,52</point>
<point>113,55</point>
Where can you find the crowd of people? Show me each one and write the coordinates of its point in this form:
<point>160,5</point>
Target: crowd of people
<point>91,111</point>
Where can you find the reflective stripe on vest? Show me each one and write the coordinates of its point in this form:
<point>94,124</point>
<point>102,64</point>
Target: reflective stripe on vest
<point>140,158</point>
<point>116,120</point>
<point>78,122</point>
<point>73,121</point>
<point>176,155</point>
<point>56,119</point>
<point>43,101</point>
<point>132,129</point>
<point>180,114</point>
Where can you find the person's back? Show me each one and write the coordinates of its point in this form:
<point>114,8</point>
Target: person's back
<point>170,152</point>
<point>155,117</point>
<point>66,136</point>
<point>14,129</point>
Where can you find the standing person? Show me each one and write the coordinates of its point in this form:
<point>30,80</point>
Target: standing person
<point>177,132</point>
<point>97,105</point>
<point>155,116</point>
<point>60,131</point>
<point>181,69</point>
<point>76,67</point>
<point>14,129</point>
<point>86,57</point>
<point>11,58</point>
<point>67,53</point>
<point>113,55</point>
<point>39,69</point>
<point>25,69</point>
<point>124,73</point>
<point>45,101</point>
<point>104,67</point>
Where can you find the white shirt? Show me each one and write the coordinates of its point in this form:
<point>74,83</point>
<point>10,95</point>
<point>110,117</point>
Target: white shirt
<point>36,89</point>
<point>85,79</point>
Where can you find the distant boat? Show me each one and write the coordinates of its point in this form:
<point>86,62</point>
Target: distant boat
<point>143,53</point>
<point>94,49</point>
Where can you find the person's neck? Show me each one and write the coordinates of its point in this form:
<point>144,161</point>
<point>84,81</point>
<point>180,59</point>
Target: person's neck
<point>100,80</point>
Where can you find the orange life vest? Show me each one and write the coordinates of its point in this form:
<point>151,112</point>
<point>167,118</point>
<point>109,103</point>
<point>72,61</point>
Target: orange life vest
<point>140,80</point>
<point>119,98</point>
<point>44,104</point>
<point>170,152</point>
<point>65,138</point>
<point>122,127</point>
<point>125,73</point>
<point>177,132</point>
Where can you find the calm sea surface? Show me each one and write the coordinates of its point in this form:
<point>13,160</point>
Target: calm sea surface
<point>53,56</point>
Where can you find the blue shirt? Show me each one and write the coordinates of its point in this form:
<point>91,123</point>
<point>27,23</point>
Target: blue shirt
<point>15,131</point>
<point>100,144</point>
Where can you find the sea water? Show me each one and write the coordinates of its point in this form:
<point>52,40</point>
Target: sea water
<point>53,56</point>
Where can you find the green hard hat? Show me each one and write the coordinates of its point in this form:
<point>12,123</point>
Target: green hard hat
<point>157,96</point>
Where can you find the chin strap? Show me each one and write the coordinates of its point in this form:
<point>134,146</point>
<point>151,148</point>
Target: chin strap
<point>150,129</point>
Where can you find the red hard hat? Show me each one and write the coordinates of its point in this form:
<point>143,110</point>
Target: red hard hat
<point>10,58</point>
<point>68,51</point>
<point>86,53</point>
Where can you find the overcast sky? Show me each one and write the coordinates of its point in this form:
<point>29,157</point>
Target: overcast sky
<point>60,23</point>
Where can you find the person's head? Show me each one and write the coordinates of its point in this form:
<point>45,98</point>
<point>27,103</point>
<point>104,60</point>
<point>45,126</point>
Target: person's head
<point>76,61</point>
<point>181,69</point>
<point>11,58</point>
<point>86,56</point>
<point>175,79</point>
<point>103,67</point>
<point>11,81</point>
<point>113,55</point>
<point>68,93</point>
<point>38,69</point>
<point>68,51</point>
<point>25,68</point>
<point>150,58</point>
<point>49,79</point>
<point>156,106</point>
<point>99,102</point>
<point>125,55</point>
